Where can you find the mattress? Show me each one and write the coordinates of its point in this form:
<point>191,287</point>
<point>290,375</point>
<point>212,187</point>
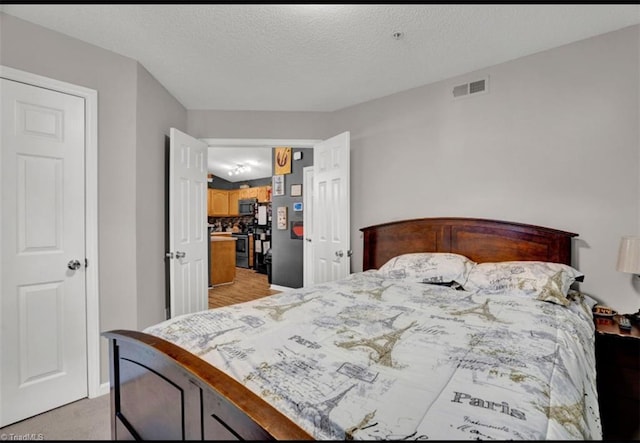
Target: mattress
<point>369,357</point>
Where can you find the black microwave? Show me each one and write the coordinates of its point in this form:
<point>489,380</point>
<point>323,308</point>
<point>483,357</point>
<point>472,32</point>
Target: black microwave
<point>247,206</point>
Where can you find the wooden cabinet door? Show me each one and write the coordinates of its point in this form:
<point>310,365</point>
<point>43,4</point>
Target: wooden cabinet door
<point>220,202</point>
<point>252,192</point>
<point>234,196</point>
<point>248,193</point>
<point>209,202</point>
<point>264,194</point>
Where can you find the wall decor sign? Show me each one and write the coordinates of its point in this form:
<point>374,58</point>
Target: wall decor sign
<point>296,190</point>
<point>282,161</point>
<point>297,206</point>
<point>282,217</point>
<point>297,230</point>
<point>277,185</point>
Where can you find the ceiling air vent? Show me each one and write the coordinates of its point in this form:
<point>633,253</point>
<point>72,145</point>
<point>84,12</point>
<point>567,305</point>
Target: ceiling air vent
<point>467,89</point>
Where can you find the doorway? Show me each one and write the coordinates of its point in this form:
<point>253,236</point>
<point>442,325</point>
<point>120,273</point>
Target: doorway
<point>331,186</point>
<point>267,145</point>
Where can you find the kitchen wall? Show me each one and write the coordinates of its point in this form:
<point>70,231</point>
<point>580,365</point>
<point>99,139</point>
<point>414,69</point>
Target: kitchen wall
<point>221,183</point>
<point>286,252</point>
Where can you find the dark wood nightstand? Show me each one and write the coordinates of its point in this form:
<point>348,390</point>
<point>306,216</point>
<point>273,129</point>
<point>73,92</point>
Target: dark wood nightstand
<point>618,375</point>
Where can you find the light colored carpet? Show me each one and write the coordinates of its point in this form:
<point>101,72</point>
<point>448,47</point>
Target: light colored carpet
<point>86,419</point>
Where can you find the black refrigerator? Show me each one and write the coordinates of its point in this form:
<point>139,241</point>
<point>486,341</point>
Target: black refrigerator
<point>261,236</point>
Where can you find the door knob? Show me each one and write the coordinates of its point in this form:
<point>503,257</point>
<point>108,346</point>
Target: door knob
<point>339,253</point>
<point>74,265</point>
<point>180,254</point>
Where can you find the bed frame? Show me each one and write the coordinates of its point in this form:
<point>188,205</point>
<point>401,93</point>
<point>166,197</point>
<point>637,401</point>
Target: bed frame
<point>159,391</point>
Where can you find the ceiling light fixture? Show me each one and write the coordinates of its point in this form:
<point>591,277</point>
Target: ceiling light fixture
<point>240,169</point>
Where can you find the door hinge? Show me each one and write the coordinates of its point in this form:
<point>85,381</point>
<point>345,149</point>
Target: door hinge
<point>86,263</point>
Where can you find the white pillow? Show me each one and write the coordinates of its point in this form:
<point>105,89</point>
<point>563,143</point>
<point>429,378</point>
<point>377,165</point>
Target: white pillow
<point>544,281</point>
<point>428,267</point>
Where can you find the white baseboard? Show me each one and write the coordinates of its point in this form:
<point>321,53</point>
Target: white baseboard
<point>104,389</point>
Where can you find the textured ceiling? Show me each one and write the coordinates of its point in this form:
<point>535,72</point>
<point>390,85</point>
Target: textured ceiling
<point>318,57</point>
<point>315,57</point>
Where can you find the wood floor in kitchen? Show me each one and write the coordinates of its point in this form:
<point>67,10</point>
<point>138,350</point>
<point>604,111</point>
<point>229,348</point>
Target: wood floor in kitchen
<point>248,285</point>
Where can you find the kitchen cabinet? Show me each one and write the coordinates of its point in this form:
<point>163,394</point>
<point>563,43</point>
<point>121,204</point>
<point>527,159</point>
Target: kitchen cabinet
<point>224,203</point>
<point>218,202</point>
<point>246,193</point>
<point>251,250</point>
<point>234,196</point>
<point>263,194</point>
<point>223,260</point>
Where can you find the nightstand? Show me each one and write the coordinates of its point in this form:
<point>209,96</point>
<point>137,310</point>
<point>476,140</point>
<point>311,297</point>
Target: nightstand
<point>618,376</point>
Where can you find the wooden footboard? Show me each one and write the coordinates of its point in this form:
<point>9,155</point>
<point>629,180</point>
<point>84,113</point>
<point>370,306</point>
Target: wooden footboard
<point>159,391</point>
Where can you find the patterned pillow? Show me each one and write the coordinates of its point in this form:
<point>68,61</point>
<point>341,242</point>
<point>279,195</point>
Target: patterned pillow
<point>429,267</point>
<point>545,281</point>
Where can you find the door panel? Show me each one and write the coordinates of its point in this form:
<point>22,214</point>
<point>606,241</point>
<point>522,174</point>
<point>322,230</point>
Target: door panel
<point>188,240</point>
<point>331,210</point>
<point>43,301</point>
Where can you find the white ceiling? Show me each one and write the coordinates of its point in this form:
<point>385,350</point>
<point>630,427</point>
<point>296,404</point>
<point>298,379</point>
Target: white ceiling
<point>318,57</point>
<point>222,160</point>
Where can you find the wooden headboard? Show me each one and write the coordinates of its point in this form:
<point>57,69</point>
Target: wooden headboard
<point>479,239</point>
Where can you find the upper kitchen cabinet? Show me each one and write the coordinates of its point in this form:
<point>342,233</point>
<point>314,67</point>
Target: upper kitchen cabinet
<point>224,203</point>
<point>246,193</point>
<point>218,203</point>
<point>263,194</point>
<point>234,196</point>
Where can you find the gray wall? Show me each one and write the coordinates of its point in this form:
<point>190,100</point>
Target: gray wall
<point>258,124</point>
<point>555,142</point>
<point>157,112</point>
<point>130,148</point>
<point>287,253</point>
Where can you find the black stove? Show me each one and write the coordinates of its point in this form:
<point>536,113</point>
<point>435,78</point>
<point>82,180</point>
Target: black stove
<point>242,249</point>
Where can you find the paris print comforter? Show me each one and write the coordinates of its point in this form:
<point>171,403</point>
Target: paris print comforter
<point>371,358</point>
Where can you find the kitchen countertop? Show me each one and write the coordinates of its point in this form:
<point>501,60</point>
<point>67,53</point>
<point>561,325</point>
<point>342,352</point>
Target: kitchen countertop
<point>223,238</point>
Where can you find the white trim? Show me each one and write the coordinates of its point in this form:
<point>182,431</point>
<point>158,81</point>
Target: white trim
<point>259,142</point>
<point>90,96</point>
<point>104,389</point>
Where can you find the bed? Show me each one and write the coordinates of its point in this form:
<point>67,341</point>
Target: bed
<point>456,328</point>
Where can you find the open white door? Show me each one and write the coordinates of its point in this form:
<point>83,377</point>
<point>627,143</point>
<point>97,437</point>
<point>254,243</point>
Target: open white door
<point>188,240</point>
<point>331,209</point>
<point>307,217</point>
<point>43,343</point>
